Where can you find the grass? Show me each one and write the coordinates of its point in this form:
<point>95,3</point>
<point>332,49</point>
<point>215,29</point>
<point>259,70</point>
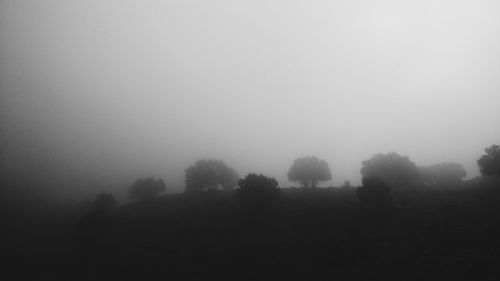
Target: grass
<point>308,235</point>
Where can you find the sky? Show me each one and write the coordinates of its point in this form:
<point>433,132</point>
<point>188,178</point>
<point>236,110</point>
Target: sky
<point>97,93</point>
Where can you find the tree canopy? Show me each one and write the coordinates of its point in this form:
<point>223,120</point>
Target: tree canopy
<point>489,163</point>
<point>442,174</point>
<point>104,202</point>
<point>395,170</point>
<point>210,174</point>
<point>148,188</point>
<point>309,171</point>
<point>257,192</point>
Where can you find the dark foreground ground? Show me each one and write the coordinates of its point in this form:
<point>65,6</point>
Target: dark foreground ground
<point>320,234</point>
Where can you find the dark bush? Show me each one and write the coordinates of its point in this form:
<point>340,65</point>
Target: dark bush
<point>257,193</point>
<point>144,189</point>
<point>92,227</point>
<point>489,163</point>
<point>104,202</point>
<point>374,194</point>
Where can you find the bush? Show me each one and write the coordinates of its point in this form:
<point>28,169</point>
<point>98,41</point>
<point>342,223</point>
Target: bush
<point>374,194</point>
<point>257,193</point>
<point>104,202</point>
<point>144,189</point>
<point>489,163</point>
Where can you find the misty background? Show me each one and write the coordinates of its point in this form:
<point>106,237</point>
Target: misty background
<point>95,94</point>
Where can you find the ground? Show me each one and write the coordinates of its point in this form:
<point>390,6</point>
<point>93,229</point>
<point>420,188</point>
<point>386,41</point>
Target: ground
<point>308,235</point>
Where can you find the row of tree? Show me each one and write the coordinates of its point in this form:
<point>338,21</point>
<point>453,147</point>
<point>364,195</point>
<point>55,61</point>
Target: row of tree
<point>382,174</point>
<point>393,170</point>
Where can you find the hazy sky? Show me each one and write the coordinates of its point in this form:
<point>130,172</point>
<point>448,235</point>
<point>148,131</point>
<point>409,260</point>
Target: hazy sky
<point>96,93</point>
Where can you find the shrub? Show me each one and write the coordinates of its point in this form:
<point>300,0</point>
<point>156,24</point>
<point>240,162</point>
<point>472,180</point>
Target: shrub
<point>144,189</point>
<point>257,193</point>
<point>374,194</point>
<point>490,162</point>
<point>104,202</point>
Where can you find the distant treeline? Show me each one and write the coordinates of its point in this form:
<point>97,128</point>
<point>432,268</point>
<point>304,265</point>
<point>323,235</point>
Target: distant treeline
<point>381,174</point>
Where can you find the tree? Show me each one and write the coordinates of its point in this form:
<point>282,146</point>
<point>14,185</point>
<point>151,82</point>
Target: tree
<point>104,202</point>
<point>489,164</point>
<point>210,174</point>
<point>309,171</point>
<point>395,170</point>
<point>442,174</point>
<point>257,192</point>
<point>144,189</point>
<point>347,184</point>
<point>229,179</point>
<point>91,227</point>
<point>374,194</point>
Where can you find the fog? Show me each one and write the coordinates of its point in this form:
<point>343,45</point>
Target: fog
<point>97,93</point>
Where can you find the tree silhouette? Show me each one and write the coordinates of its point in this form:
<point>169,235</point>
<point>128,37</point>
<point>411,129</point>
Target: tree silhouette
<point>395,170</point>
<point>144,189</point>
<point>104,202</point>
<point>91,227</point>
<point>229,179</point>
<point>257,192</point>
<point>309,171</point>
<point>209,174</point>
<point>374,194</point>
<point>442,174</point>
<point>347,184</point>
<point>489,164</point>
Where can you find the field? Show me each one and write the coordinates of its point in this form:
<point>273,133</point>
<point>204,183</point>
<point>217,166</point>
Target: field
<point>315,234</point>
